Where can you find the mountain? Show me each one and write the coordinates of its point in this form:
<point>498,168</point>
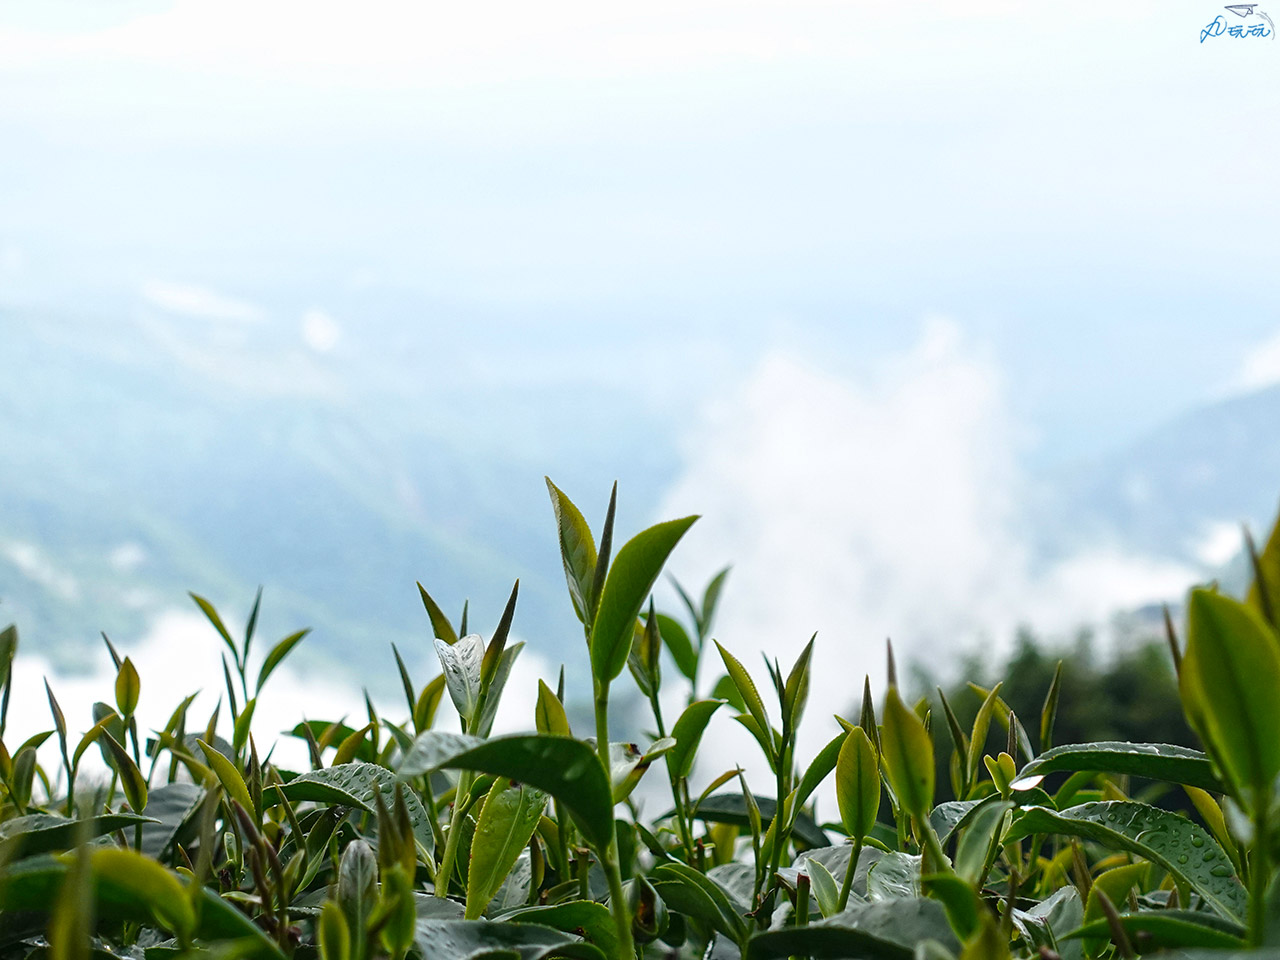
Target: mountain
<point>146,457</point>
<point>1180,492</point>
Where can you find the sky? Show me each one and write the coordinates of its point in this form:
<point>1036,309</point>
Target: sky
<point>881,254</point>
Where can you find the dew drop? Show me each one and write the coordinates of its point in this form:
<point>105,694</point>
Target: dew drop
<point>1182,858</point>
<point>1221,870</point>
<point>1197,841</point>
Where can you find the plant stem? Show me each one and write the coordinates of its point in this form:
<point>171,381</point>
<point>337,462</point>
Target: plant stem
<point>1259,868</point>
<point>445,873</point>
<point>609,855</point>
<point>848,874</point>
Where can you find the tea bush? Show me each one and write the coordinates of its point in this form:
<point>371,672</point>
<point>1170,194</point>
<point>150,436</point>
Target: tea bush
<point>404,839</point>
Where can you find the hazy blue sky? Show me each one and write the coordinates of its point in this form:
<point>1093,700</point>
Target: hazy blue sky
<point>1086,189</point>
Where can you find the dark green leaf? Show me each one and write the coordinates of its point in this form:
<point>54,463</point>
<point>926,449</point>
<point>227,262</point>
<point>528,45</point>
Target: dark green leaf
<point>676,639</point>
<point>43,833</point>
<point>1155,761</point>
<point>476,939</point>
<point>1168,929</point>
<point>439,622</point>
<point>1179,846</point>
<point>567,769</point>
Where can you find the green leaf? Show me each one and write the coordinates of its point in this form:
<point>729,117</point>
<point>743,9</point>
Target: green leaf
<point>825,888</point>
<point>218,625</point>
<point>496,685</point>
<point>592,919</point>
<point>676,639</point>
<point>1171,841</point>
<point>818,770</point>
<point>8,650</point>
<point>510,814</point>
<point>148,883</point>
<point>1264,591</point>
<point>1230,673</point>
<point>858,784</point>
<point>750,696</point>
<point>173,807</point>
<point>128,688</point>
<point>687,891</point>
<point>549,713</point>
<point>277,655</point>
<point>33,884</point>
<point>43,832</point>
<point>1170,929</point>
<point>630,579</point>
<point>577,550</point>
<point>908,756</point>
<point>732,808</point>
<point>333,936</point>
<point>439,622</point>
<point>824,942</point>
<point>132,782</point>
<point>461,662</point>
<point>490,940</point>
<point>1155,761</point>
<point>975,841</point>
<point>711,600</point>
<point>688,732</point>
<point>567,769</point>
<point>795,694</point>
<point>355,785</point>
<point>978,738</point>
<point>889,929</point>
<point>229,776</point>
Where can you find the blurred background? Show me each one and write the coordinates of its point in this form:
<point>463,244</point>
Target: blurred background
<point>949,318</point>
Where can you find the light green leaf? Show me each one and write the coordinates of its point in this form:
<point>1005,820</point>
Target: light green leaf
<point>510,814</point>
<point>1230,674</point>
<point>439,622</point>
<point>630,579</point>
<point>858,784</point>
<point>461,662</point>
<point>908,756</point>
<point>577,550</point>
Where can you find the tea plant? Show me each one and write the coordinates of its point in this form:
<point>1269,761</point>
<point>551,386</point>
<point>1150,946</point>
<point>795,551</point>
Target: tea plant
<point>406,839</point>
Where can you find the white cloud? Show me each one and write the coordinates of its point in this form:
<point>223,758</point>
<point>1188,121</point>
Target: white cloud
<point>38,568</point>
<point>195,301</point>
<point>128,556</point>
<point>1260,367</point>
<point>320,331</point>
<point>1219,543</point>
<point>885,506</point>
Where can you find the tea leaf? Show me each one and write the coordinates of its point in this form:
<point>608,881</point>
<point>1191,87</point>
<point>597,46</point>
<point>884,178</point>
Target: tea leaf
<point>128,688</point>
<point>688,732</point>
<point>1230,672</point>
<point>630,579</point>
<point>567,769</point>
<point>507,821</point>
<point>1181,847</point>
<point>1155,761</point>
<point>212,615</point>
<point>858,784</point>
<point>439,622</point>
<point>277,655</point>
<point>490,940</point>
<point>132,782</point>
<point>549,714</point>
<point>577,550</point>
<point>908,756</point>
<point>461,662</point>
<point>676,639</point>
